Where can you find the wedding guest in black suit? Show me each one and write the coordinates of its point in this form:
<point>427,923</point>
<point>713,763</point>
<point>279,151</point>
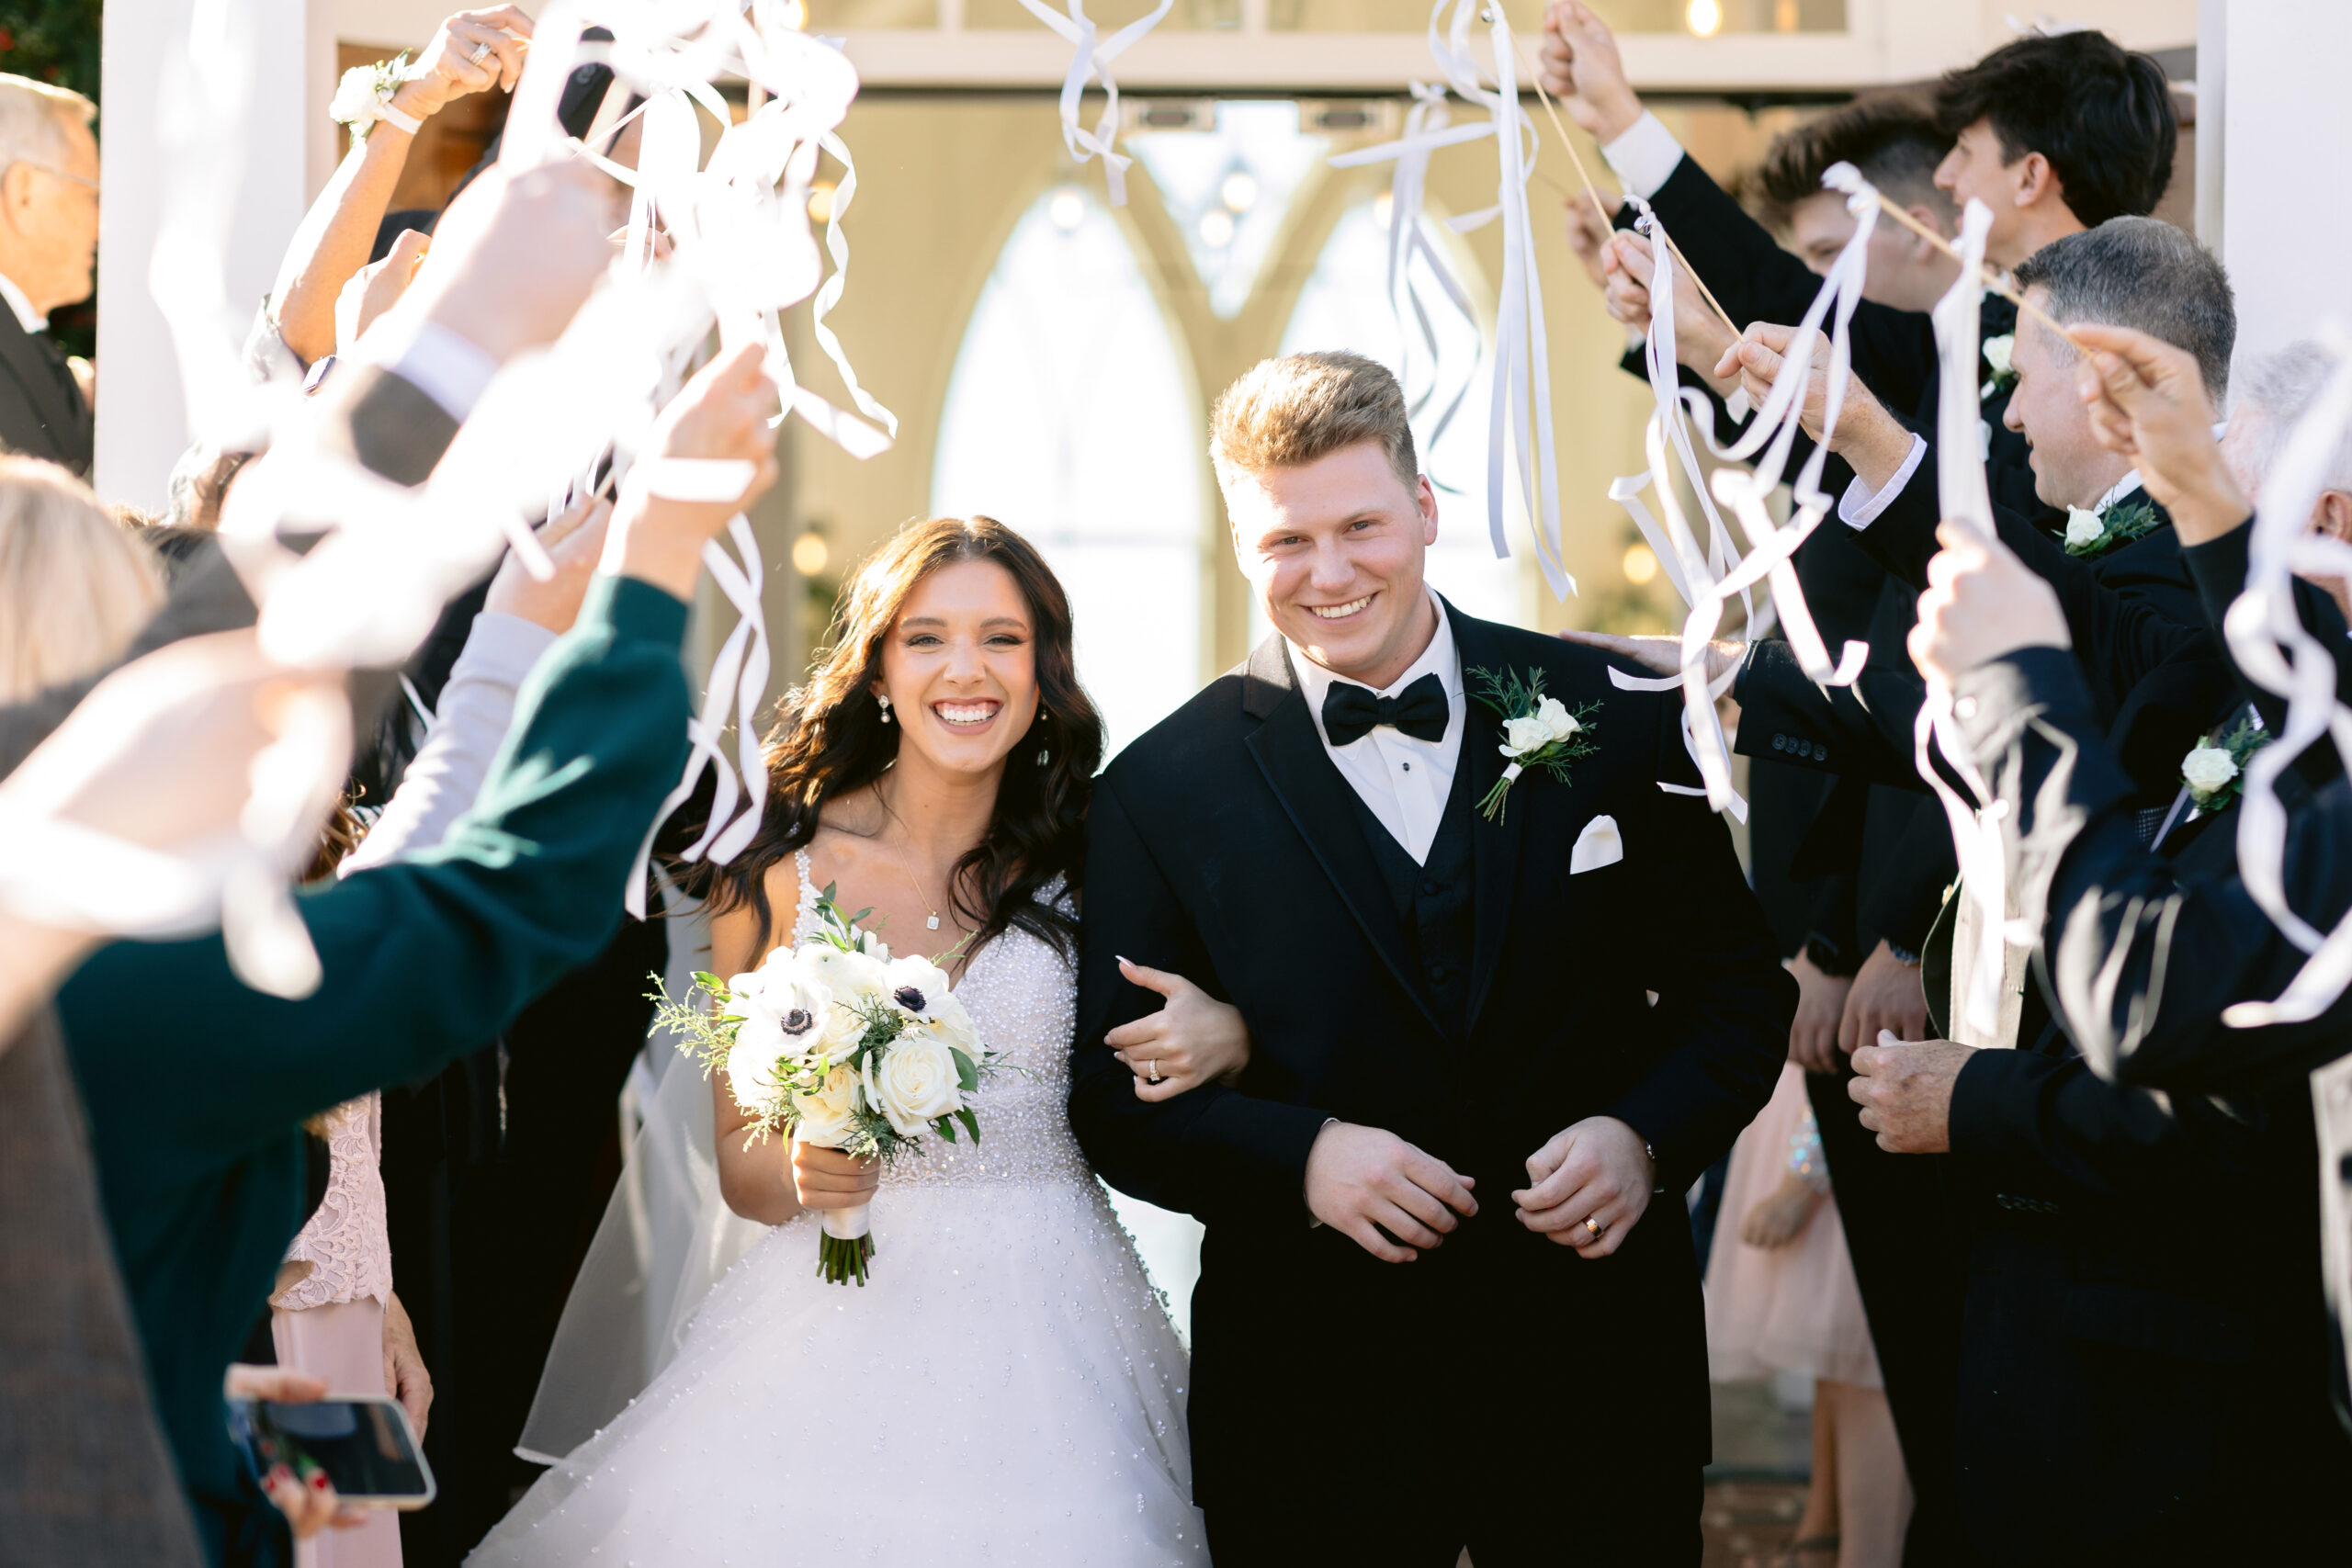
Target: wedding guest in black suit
<point>49,241</point>
<point>2054,134</point>
<point>1483,1043</point>
<point>2196,1388</point>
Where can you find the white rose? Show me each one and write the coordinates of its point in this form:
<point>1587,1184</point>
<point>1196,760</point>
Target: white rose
<point>827,1118</point>
<point>1521,736</point>
<point>915,984</point>
<point>914,1082</point>
<point>2206,769</point>
<point>2083,528</point>
<point>1558,719</point>
<point>750,1063</point>
<point>355,97</point>
<point>1997,351</point>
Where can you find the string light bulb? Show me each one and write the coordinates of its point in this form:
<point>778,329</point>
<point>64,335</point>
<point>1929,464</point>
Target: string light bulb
<point>1066,209</point>
<point>820,201</point>
<point>1704,18</point>
<point>1239,190</point>
<point>1640,565</point>
<point>1217,228</point>
<point>809,554</point>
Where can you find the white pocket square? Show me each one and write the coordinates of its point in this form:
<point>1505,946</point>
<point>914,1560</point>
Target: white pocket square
<point>1597,846</point>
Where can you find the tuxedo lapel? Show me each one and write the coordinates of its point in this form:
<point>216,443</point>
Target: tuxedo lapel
<point>1289,750</point>
<point>1496,845</point>
<point>49,391</point>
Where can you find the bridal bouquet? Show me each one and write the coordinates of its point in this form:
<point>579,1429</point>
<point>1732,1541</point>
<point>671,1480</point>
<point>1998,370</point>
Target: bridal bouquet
<point>839,1044</point>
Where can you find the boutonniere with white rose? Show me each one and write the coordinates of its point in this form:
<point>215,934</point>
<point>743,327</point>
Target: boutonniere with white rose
<point>1538,731</point>
<point>836,1043</point>
<point>2214,768</point>
<point>1997,351</point>
<point>2091,535</point>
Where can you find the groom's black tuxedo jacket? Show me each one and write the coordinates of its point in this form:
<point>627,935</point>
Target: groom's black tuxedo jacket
<point>1226,846</point>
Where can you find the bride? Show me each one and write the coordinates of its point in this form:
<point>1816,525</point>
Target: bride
<point>1007,1388</point>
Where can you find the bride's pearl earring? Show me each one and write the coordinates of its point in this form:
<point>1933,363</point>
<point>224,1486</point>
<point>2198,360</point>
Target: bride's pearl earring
<point>885,709</point>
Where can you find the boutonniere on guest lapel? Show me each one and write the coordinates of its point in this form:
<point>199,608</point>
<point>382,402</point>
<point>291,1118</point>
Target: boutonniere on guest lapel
<point>1538,731</point>
<point>2213,767</point>
<point>1996,359</point>
<point>2091,535</point>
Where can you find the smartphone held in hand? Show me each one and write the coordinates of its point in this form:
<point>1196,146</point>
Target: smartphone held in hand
<point>361,1443</point>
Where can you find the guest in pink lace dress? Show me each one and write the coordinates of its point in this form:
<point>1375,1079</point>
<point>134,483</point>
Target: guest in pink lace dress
<point>328,1317</point>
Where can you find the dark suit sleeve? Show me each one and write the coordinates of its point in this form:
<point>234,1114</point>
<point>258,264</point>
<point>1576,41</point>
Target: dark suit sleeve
<point>1863,729</point>
<point>423,959</point>
<point>2049,1125</point>
<point>1724,1001</point>
<point>2125,626</point>
<point>1215,1152</point>
<point>2218,568</point>
<point>2143,961</point>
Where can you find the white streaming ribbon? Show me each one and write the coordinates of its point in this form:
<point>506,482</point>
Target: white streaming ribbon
<point>1521,417</point>
<point>388,558</point>
<point>1092,58</point>
<point>1966,503</point>
<point>1409,237</point>
<point>2268,642</point>
<point>1708,577</point>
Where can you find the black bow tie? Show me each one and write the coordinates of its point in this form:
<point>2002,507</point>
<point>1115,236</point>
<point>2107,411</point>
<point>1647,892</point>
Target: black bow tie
<point>1351,713</point>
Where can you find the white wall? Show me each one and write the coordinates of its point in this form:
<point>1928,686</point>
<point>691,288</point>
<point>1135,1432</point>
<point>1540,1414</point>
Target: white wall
<point>2287,157</point>
<point>142,417</point>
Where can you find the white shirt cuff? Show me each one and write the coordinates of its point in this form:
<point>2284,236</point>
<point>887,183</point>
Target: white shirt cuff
<point>1643,157</point>
<point>452,370</point>
<point>1859,506</point>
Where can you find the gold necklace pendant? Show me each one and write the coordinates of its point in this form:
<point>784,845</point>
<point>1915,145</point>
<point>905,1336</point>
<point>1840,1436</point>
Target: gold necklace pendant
<point>933,922</point>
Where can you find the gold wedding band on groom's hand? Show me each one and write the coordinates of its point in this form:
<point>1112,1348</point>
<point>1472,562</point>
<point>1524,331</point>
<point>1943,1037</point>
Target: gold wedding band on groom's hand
<point>1595,1227</point>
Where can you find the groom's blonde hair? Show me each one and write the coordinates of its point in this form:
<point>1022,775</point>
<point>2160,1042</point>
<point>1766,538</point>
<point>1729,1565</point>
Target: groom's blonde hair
<point>1288,412</point>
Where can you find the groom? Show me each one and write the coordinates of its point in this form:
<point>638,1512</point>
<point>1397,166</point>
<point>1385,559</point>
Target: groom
<point>1432,1313</point>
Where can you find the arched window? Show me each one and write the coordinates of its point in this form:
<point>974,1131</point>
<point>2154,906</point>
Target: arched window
<point>1070,417</point>
<point>1344,304</point>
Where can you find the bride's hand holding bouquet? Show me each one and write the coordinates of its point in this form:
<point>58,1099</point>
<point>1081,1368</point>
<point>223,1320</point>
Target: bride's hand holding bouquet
<point>852,1054</point>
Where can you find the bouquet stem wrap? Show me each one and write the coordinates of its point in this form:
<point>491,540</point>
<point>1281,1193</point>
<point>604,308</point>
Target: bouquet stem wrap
<point>847,1245</point>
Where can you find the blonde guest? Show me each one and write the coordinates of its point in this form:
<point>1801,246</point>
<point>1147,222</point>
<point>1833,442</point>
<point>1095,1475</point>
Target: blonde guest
<point>74,585</point>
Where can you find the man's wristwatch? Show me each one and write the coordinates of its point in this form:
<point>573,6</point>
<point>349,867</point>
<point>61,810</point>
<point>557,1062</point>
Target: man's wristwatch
<point>1828,957</point>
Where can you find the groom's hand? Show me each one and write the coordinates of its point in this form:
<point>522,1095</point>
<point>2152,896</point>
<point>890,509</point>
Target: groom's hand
<point>1588,1187</point>
<point>1373,1185</point>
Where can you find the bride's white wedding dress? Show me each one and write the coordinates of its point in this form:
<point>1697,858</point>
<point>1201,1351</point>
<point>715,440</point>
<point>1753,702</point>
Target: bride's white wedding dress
<point>1007,1388</point>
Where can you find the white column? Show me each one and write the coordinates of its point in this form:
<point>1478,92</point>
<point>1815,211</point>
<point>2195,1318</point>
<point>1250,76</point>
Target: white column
<point>2285,124</point>
<point>141,422</point>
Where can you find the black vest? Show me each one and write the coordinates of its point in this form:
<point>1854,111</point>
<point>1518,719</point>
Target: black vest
<point>1434,900</point>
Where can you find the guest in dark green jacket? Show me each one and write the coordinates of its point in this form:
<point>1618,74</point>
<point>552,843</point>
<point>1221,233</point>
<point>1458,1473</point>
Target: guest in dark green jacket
<point>196,1086</point>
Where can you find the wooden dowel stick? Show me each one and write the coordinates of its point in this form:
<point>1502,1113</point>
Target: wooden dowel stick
<point>1593,194</point>
<point>2003,290</point>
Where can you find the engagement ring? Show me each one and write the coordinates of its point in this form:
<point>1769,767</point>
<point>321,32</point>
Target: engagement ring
<point>1155,1071</point>
<point>478,51</point>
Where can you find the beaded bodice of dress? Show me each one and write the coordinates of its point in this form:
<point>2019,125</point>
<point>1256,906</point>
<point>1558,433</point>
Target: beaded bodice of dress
<point>1025,999</point>
<point>345,1242</point>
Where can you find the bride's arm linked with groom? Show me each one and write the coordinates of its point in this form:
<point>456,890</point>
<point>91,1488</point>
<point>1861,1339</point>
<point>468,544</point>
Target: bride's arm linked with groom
<point>1481,1042</point>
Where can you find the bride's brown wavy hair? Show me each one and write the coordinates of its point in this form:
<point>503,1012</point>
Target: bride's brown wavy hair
<point>829,741</point>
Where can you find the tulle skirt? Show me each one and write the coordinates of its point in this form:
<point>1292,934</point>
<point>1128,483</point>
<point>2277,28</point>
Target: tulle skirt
<point>1783,1309</point>
<point>1006,1389</point>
